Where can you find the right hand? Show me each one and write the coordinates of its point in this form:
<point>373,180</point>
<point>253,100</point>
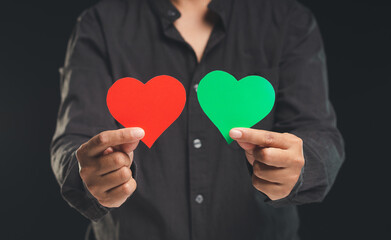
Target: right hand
<point>105,165</point>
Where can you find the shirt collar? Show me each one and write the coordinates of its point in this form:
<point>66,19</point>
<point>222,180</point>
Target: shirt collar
<point>168,13</point>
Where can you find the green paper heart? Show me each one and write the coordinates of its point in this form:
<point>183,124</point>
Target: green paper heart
<point>230,103</point>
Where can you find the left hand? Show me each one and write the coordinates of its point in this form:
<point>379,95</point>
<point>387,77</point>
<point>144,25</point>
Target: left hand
<point>277,159</point>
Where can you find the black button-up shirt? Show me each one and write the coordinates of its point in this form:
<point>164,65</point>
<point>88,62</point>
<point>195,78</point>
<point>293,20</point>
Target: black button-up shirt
<point>191,183</point>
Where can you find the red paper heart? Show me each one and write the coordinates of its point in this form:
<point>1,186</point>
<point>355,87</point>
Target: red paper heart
<point>153,106</point>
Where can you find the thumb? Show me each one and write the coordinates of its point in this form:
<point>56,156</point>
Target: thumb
<point>128,148</point>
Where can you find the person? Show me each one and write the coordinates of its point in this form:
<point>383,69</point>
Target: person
<point>191,184</point>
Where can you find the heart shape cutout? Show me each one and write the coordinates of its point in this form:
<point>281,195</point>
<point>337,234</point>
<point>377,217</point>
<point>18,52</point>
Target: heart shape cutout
<point>153,106</point>
<point>230,103</point>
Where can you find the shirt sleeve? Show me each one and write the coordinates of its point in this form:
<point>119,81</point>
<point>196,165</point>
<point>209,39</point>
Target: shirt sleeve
<point>85,79</point>
<point>303,108</point>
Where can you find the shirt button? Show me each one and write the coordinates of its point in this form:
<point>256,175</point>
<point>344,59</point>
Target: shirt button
<point>171,13</point>
<point>197,143</point>
<point>199,199</point>
<point>195,87</point>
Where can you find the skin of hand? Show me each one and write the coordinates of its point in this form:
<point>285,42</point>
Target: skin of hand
<point>277,159</point>
<point>104,163</point>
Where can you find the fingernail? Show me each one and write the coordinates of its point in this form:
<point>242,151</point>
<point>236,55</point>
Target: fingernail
<point>234,133</point>
<point>138,133</point>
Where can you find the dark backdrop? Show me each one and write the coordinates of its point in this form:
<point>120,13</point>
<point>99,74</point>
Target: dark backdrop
<point>33,40</point>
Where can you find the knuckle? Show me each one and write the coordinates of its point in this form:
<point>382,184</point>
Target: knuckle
<point>130,158</point>
<point>108,200</point>
<point>255,181</point>
<point>274,192</point>
<point>115,205</point>
<point>83,173</point>
<point>105,197</point>
<point>127,189</point>
<point>257,170</point>
<point>298,161</point>
<point>301,162</point>
<point>283,192</point>
<point>298,141</point>
<point>102,138</point>
<point>265,155</point>
<point>124,174</point>
<point>104,201</point>
<point>93,188</point>
<point>117,159</point>
<point>269,139</point>
<point>293,178</point>
<point>126,159</point>
<point>123,134</point>
<point>294,139</point>
<point>80,151</point>
<point>134,184</point>
<point>257,173</point>
<point>288,134</point>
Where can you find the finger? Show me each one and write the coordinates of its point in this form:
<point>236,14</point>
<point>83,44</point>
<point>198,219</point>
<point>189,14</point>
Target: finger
<point>248,148</point>
<point>269,173</point>
<point>114,179</point>
<point>108,151</point>
<point>260,137</point>
<point>115,197</point>
<point>102,141</point>
<point>272,190</point>
<point>250,158</point>
<point>112,162</point>
<point>273,156</point>
<point>127,148</point>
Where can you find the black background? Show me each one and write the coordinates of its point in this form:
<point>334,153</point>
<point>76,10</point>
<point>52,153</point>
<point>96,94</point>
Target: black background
<point>33,41</point>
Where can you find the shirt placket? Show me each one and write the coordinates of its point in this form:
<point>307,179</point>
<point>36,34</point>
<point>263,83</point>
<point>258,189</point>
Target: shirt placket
<point>200,172</point>
<point>198,162</point>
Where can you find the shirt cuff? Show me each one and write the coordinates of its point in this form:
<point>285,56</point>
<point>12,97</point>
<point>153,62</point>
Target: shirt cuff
<point>77,195</point>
